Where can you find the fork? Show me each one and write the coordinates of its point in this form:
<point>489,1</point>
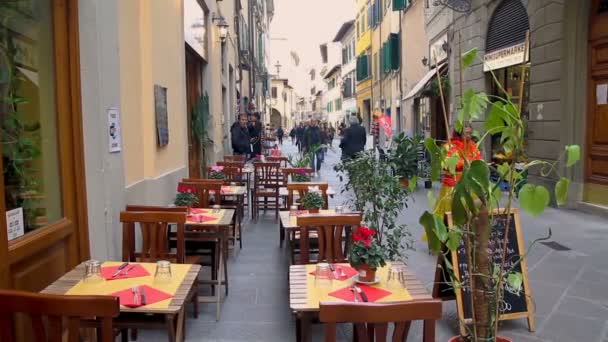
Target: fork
<point>134,290</point>
<point>352,288</point>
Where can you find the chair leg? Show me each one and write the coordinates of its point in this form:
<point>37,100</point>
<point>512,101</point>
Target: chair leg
<point>195,298</point>
<point>226,271</point>
<point>133,334</point>
<point>124,335</point>
<point>213,267</point>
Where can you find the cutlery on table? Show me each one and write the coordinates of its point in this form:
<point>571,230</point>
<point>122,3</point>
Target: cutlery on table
<point>135,291</point>
<point>352,288</point>
<point>143,296</point>
<point>342,274</point>
<point>361,293</point>
<point>127,270</point>
<point>120,268</point>
<point>333,271</point>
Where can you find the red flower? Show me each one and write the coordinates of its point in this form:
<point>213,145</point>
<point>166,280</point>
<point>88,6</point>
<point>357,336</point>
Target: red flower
<point>368,243</point>
<point>357,237</point>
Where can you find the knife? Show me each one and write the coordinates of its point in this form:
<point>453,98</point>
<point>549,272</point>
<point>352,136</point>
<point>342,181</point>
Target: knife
<point>333,271</point>
<point>128,270</point>
<point>125,264</point>
<point>361,293</point>
<point>143,295</point>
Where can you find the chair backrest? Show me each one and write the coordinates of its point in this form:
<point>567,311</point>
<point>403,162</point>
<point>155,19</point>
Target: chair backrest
<point>230,158</point>
<point>233,175</point>
<point>266,175</point>
<point>208,190</point>
<point>371,320</point>
<point>154,226</point>
<point>302,189</point>
<point>145,208</point>
<point>48,313</point>
<point>236,164</point>
<point>283,160</point>
<point>330,230</point>
<point>287,171</point>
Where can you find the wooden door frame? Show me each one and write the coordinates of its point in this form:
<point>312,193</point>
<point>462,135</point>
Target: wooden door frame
<point>591,100</point>
<point>70,150</point>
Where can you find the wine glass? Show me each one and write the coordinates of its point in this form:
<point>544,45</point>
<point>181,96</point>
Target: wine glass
<point>396,277</point>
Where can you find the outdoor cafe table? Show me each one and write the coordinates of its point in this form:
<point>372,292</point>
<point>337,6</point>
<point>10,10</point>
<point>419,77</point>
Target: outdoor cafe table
<point>304,297</point>
<point>330,191</point>
<point>290,223</point>
<point>239,192</point>
<point>213,226</point>
<point>184,276</point>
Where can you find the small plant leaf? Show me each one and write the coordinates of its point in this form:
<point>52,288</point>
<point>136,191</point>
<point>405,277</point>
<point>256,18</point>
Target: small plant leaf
<point>412,184</point>
<point>561,190</point>
<point>430,199</point>
<point>573,154</point>
<point>454,237</point>
<point>515,281</point>
<point>468,58</point>
<point>534,198</point>
<point>427,220</point>
<point>451,162</point>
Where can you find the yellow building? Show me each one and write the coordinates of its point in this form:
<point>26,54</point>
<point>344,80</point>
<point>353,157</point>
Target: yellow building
<point>363,51</point>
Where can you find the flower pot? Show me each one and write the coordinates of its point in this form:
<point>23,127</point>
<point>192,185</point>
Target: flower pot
<point>404,182</point>
<point>313,210</point>
<point>366,273</point>
<point>498,339</point>
<point>428,184</point>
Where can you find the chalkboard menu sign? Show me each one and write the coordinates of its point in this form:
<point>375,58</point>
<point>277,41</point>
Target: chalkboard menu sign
<point>160,110</point>
<point>513,304</point>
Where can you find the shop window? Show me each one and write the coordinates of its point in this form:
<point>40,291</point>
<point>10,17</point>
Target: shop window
<point>30,157</point>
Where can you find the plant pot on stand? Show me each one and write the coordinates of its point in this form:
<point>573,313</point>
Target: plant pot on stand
<point>313,210</point>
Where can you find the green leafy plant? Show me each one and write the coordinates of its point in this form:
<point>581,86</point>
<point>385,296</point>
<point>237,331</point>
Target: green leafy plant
<point>475,198</point>
<point>216,175</point>
<point>185,199</point>
<point>366,250</point>
<point>378,194</point>
<point>312,200</point>
<point>300,176</point>
<point>200,119</point>
<point>404,156</point>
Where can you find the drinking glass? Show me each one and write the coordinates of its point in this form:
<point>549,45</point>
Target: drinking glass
<point>92,272</point>
<point>232,183</point>
<point>217,208</point>
<point>339,209</point>
<point>293,210</point>
<point>323,275</point>
<point>163,271</point>
<point>396,277</point>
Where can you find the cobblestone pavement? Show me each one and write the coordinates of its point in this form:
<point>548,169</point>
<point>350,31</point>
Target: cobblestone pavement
<point>569,288</point>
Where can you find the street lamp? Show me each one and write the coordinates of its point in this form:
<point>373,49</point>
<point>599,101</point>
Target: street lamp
<point>222,26</point>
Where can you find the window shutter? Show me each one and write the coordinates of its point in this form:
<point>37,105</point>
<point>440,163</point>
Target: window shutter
<point>379,11</point>
<point>370,16</point>
<point>399,5</point>
<point>395,51</point>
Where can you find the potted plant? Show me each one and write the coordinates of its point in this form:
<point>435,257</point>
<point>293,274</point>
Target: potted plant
<point>366,254</point>
<point>473,198</point>
<point>300,175</point>
<point>380,197</point>
<point>404,157</point>
<point>312,201</point>
<point>186,197</point>
<point>217,172</point>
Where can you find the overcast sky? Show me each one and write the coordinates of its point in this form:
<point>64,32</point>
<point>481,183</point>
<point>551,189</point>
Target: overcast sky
<point>301,26</point>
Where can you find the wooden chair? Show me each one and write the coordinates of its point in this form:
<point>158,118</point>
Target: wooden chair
<point>238,164</point>
<point>56,309</point>
<point>332,237</point>
<point>234,175</point>
<point>233,158</point>
<point>283,160</point>
<point>371,320</point>
<point>266,184</point>
<point>302,189</point>
<point>209,191</point>
<point>173,242</point>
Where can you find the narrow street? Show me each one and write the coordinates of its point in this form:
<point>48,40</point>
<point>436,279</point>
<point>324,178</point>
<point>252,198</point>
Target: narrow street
<point>568,286</point>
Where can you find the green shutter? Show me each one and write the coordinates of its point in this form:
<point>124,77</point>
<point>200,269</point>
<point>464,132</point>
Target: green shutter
<point>399,5</point>
<point>395,51</point>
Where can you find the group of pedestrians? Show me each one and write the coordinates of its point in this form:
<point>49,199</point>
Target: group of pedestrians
<point>246,135</point>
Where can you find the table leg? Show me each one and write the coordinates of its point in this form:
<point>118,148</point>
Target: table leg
<point>220,274</point>
<point>180,331</point>
<point>303,327</point>
<point>171,328</point>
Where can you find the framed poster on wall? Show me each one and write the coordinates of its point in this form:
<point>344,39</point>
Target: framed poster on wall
<point>162,121</point>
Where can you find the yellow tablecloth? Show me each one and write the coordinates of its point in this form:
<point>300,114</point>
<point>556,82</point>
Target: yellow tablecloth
<point>316,294</point>
<point>178,272</point>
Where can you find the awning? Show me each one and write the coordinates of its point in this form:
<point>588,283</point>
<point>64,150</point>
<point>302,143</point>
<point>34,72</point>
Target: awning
<point>423,82</point>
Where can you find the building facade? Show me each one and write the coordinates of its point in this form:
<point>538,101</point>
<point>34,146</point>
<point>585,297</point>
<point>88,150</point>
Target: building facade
<point>363,32</point>
<point>282,104</point>
<point>347,39</point>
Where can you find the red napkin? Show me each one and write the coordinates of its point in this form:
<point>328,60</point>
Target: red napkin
<point>153,295</point>
<point>301,212</point>
<point>197,211</point>
<point>227,189</point>
<point>349,272</point>
<point>136,271</point>
<point>200,218</point>
<point>373,293</point>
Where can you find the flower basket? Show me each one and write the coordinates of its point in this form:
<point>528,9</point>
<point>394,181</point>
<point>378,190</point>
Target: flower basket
<point>366,254</point>
<point>186,197</point>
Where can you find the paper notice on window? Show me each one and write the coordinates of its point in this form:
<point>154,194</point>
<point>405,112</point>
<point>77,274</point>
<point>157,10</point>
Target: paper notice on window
<point>601,93</point>
<point>14,223</point>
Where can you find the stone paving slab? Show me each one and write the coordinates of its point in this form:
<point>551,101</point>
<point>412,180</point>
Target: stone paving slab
<point>570,288</point>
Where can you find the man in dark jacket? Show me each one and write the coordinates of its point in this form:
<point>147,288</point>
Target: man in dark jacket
<point>255,133</point>
<point>314,138</point>
<point>354,138</point>
<point>240,136</point>
<point>300,137</point>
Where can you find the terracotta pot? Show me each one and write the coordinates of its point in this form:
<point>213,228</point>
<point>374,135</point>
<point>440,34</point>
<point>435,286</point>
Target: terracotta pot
<point>313,210</point>
<point>404,182</point>
<point>498,339</point>
<point>366,273</point>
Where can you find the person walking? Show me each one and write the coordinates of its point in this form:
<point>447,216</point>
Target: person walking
<point>292,135</point>
<point>255,134</point>
<point>280,133</point>
<point>300,137</point>
<point>240,136</point>
<point>313,139</point>
<point>353,139</point>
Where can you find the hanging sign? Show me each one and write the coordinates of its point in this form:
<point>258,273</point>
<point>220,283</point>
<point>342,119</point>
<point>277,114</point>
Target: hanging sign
<point>385,122</point>
<point>114,141</point>
<point>14,223</point>
<point>503,58</point>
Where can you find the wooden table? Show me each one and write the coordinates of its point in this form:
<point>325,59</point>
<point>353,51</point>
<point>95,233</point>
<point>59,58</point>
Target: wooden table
<point>304,298</point>
<point>218,230</point>
<point>289,223</point>
<point>283,190</point>
<point>175,307</point>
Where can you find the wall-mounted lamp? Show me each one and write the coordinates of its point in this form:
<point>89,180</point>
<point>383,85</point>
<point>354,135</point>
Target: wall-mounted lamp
<point>222,26</point>
<point>425,61</point>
